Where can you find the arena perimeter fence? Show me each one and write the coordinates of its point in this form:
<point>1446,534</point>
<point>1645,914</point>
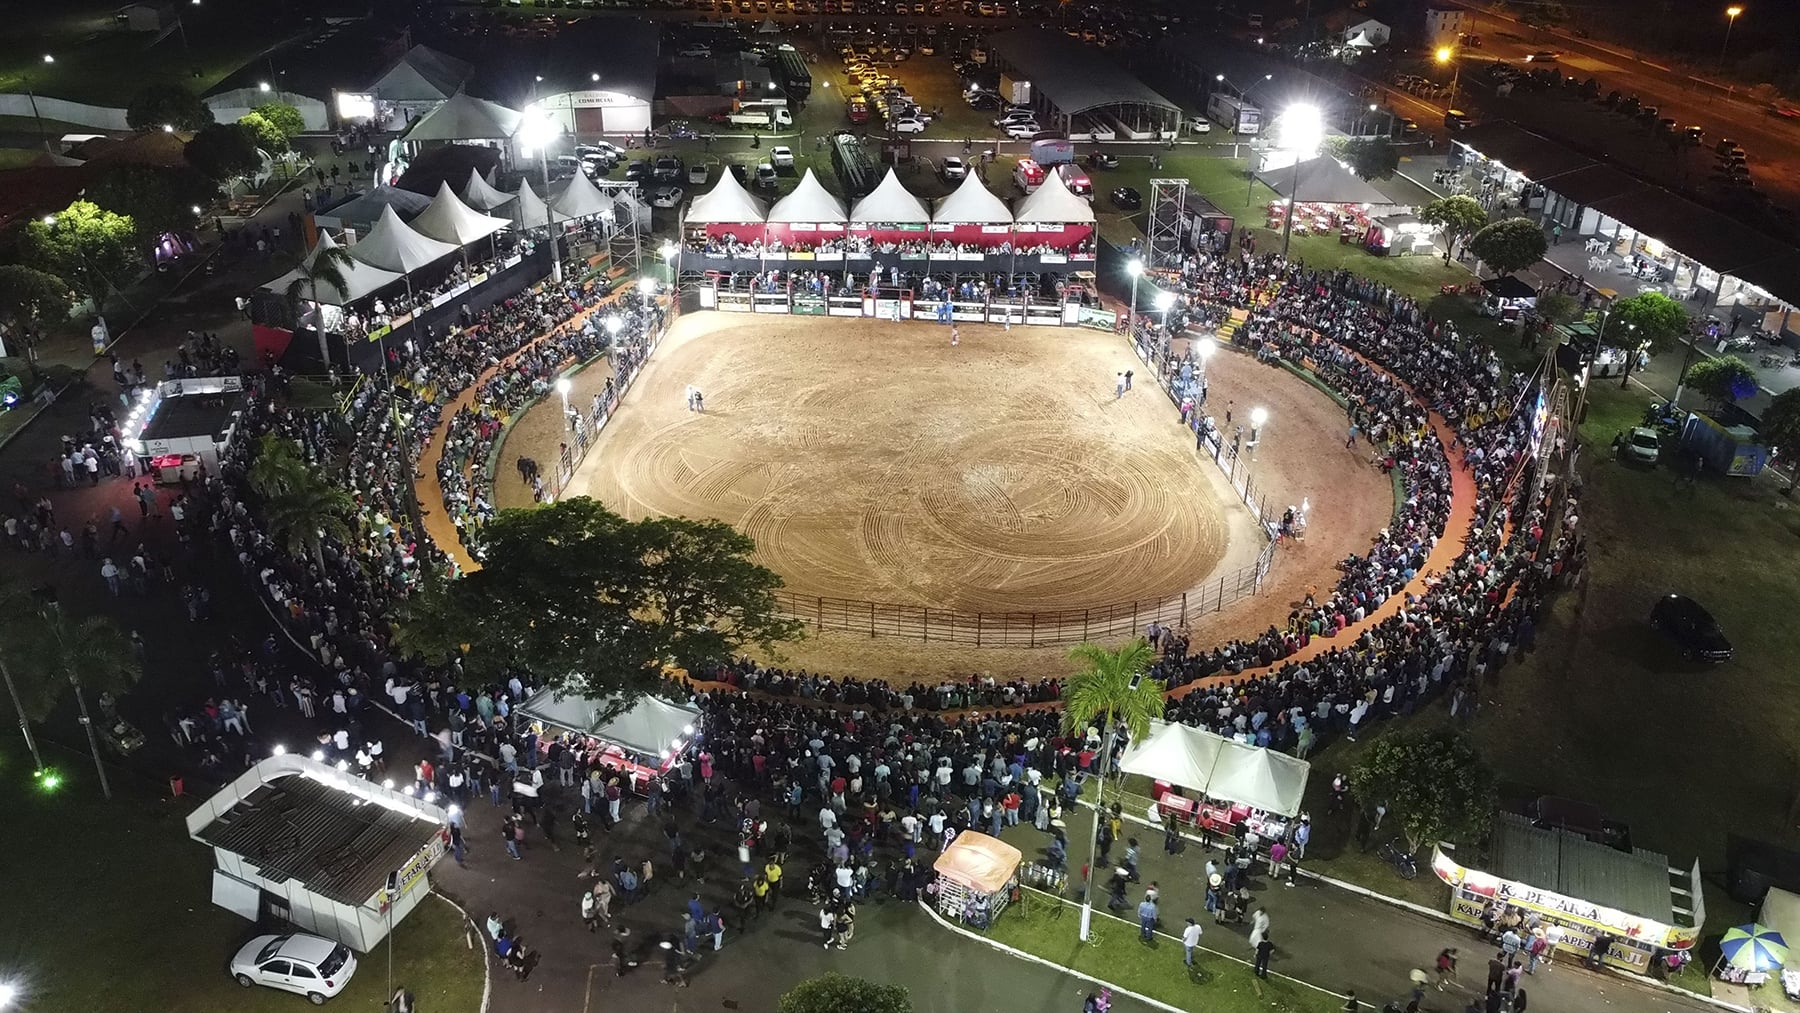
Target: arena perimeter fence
<point>1025,629</point>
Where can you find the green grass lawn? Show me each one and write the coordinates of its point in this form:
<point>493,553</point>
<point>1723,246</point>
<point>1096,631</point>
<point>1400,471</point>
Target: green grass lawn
<point>112,910</point>
<point>1048,928</point>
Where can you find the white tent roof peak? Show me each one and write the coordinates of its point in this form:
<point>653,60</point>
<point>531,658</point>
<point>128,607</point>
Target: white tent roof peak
<point>890,202</point>
<point>726,204</point>
<point>972,204</point>
<point>464,117</point>
<point>810,202</point>
<point>359,278</point>
<point>481,194</point>
<point>1054,203</point>
<point>580,198</point>
<point>452,221</point>
<point>391,246</point>
<point>1198,760</point>
<point>648,724</point>
<point>529,210</point>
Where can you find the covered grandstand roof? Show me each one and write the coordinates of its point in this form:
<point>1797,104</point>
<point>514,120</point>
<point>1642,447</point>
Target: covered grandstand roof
<point>1522,151</point>
<point>392,246</point>
<point>466,118</point>
<point>726,204</point>
<point>810,202</point>
<point>972,204</point>
<point>580,198</point>
<point>450,220</point>
<point>1322,180</point>
<point>367,207</point>
<point>890,202</point>
<point>1052,202</point>
<point>1075,78</point>
<point>529,211</point>
<point>480,194</point>
<point>360,279</point>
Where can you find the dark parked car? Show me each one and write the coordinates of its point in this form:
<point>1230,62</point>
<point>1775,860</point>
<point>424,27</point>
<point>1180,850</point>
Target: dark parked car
<point>668,170</point>
<point>1127,199</point>
<point>638,171</point>
<point>1691,627</point>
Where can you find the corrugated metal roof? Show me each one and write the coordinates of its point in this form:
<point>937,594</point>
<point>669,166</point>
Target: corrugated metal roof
<point>1075,78</point>
<point>1636,882</point>
<point>1521,150</point>
<point>1592,183</point>
<point>336,844</point>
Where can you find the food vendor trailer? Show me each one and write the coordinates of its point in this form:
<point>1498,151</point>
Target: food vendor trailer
<point>643,740</point>
<point>1648,908</point>
<point>179,427</point>
<point>975,878</point>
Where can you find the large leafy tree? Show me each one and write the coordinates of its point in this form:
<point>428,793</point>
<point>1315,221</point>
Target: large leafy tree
<point>1510,245</point>
<point>1110,689</point>
<point>224,151</point>
<point>1368,157</point>
<point>1456,217</point>
<point>1648,320</point>
<point>157,198</point>
<point>286,119</point>
<point>597,604</point>
<point>1780,429</point>
<point>268,136</point>
<point>1558,308</point>
<point>91,248</point>
<point>1722,381</point>
<point>160,105</point>
<point>30,300</point>
<point>278,469</point>
<point>838,993</point>
<point>1433,782</point>
<point>326,266</point>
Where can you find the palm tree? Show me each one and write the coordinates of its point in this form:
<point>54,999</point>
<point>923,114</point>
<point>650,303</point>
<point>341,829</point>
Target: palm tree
<point>86,653</point>
<point>303,517</point>
<point>326,266</point>
<point>278,467</point>
<point>1110,688</point>
<point>15,606</point>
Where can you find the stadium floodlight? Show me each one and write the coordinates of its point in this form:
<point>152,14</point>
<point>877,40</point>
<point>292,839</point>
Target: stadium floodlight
<point>537,132</point>
<point>1302,130</point>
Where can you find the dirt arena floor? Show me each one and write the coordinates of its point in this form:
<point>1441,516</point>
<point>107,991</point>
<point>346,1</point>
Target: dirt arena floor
<point>999,475</point>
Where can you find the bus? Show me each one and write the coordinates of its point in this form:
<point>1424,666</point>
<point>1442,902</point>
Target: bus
<point>857,170</point>
<point>1234,113</point>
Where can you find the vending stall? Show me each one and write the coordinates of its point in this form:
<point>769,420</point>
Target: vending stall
<point>976,875</point>
<point>642,741</point>
<point>1217,785</point>
<point>1626,908</point>
<point>179,428</point>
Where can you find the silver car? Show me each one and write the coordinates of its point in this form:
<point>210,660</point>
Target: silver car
<point>309,965</point>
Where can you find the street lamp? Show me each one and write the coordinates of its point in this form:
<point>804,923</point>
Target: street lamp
<point>1258,418</point>
<point>8,992</point>
<point>671,253</point>
<point>1731,16</point>
<point>562,387</point>
<point>31,93</point>
<point>1205,348</point>
<point>1447,57</point>
<point>1164,300</point>
<point>262,86</point>
<point>1302,131</point>
<point>1135,268</point>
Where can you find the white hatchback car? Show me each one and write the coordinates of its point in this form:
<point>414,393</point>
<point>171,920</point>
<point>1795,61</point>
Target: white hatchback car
<point>310,965</point>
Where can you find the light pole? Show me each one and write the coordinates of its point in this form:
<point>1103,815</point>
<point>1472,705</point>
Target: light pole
<point>647,289</point>
<point>31,93</point>
<point>1731,16</point>
<point>1135,268</point>
<point>671,253</point>
<point>1164,300</point>
<point>562,387</point>
<point>1258,418</point>
<point>1302,131</point>
<point>1204,349</point>
<point>1447,57</point>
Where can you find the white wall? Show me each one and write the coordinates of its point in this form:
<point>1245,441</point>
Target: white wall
<point>104,117</point>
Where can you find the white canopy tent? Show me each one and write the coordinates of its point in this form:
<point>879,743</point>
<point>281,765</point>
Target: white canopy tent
<point>482,195</point>
<point>450,220</point>
<point>649,726</point>
<point>1053,203</point>
<point>810,202</point>
<point>726,204</point>
<point>391,246</point>
<point>1198,760</point>
<point>464,117</point>
<point>890,202</point>
<point>529,210</point>
<point>972,204</point>
<point>580,198</point>
<point>360,279</point>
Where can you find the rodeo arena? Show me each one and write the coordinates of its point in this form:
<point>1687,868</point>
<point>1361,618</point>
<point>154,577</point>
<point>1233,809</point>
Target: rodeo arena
<point>499,347</point>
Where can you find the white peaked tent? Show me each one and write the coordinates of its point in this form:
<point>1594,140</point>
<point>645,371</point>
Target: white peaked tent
<point>391,246</point>
<point>1177,753</point>
<point>810,202</point>
<point>650,725</point>
<point>360,279</point>
<point>972,204</point>
<point>464,117</point>
<point>890,202</point>
<point>450,220</point>
<point>1054,203</point>
<point>482,195</point>
<point>1270,781</point>
<point>580,198</point>
<point>726,204</point>
<point>529,210</point>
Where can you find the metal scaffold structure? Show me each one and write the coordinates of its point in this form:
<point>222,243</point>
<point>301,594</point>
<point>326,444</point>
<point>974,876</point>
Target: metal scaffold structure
<point>1168,206</point>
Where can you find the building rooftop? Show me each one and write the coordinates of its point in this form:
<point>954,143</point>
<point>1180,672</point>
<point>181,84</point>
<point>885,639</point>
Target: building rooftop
<point>1074,77</point>
<point>1635,882</point>
<point>194,415</point>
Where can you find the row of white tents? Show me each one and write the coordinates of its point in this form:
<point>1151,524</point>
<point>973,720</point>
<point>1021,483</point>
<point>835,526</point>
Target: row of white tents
<point>393,248</point>
<point>889,203</point>
<point>1219,767</point>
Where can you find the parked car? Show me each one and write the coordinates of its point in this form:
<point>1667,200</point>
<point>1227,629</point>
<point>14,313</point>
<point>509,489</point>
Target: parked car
<point>1127,199</point>
<point>668,169</point>
<point>697,174</point>
<point>953,168</point>
<point>1693,136</point>
<point>765,177</point>
<point>908,125</point>
<point>781,157</point>
<point>1543,56</point>
<point>638,171</point>
<point>1023,131</point>
<point>1642,445</point>
<point>1693,629</point>
<point>666,196</point>
<point>1726,146</point>
<point>310,965</point>
<point>1103,160</point>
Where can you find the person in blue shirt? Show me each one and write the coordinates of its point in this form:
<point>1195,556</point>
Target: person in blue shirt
<point>1147,920</point>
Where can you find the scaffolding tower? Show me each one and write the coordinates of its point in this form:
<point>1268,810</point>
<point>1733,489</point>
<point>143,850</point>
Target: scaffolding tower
<point>1168,208</point>
<point>625,234</point>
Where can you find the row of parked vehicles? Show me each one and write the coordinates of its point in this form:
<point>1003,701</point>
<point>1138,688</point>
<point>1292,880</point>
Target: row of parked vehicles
<point>875,92</point>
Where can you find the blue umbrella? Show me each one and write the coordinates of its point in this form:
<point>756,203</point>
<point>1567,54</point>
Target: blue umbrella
<point>1754,948</point>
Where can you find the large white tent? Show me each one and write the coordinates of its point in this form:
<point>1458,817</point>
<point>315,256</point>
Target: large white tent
<point>360,279</point>
<point>464,117</point>
<point>650,725</point>
<point>890,202</point>
<point>391,246</point>
<point>580,198</point>
<point>726,204</point>
<point>810,202</point>
<point>1198,760</point>
<point>972,204</point>
<point>421,76</point>
<point>482,195</point>
<point>450,220</point>
<point>529,210</point>
<point>1053,203</point>
<point>364,209</point>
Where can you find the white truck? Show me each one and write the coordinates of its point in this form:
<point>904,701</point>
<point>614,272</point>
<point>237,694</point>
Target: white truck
<point>1234,113</point>
<point>755,114</point>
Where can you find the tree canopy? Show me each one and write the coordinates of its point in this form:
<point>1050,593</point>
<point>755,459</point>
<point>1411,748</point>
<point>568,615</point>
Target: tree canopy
<point>31,299</point>
<point>286,119</point>
<point>1457,217</point>
<point>91,248</point>
<point>1724,380</point>
<point>157,198</point>
<point>1648,320</point>
<point>224,151</point>
<point>597,604</point>
<point>49,652</point>
<point>160,105</point>
<point>1780,424</point>
<point>1368,157</point>
<point>1510,245</point>
<point>268,136</point>
<point>1112,687</point>
<point>1433,782</point>
<point>838,993</point>
<point>1558,307</point>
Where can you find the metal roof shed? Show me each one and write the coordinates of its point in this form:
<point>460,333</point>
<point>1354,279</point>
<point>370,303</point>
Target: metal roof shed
<point>1532,156</point>
<point>313,846</point>
<point>1076,79</point>
<point>1635,882</point>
